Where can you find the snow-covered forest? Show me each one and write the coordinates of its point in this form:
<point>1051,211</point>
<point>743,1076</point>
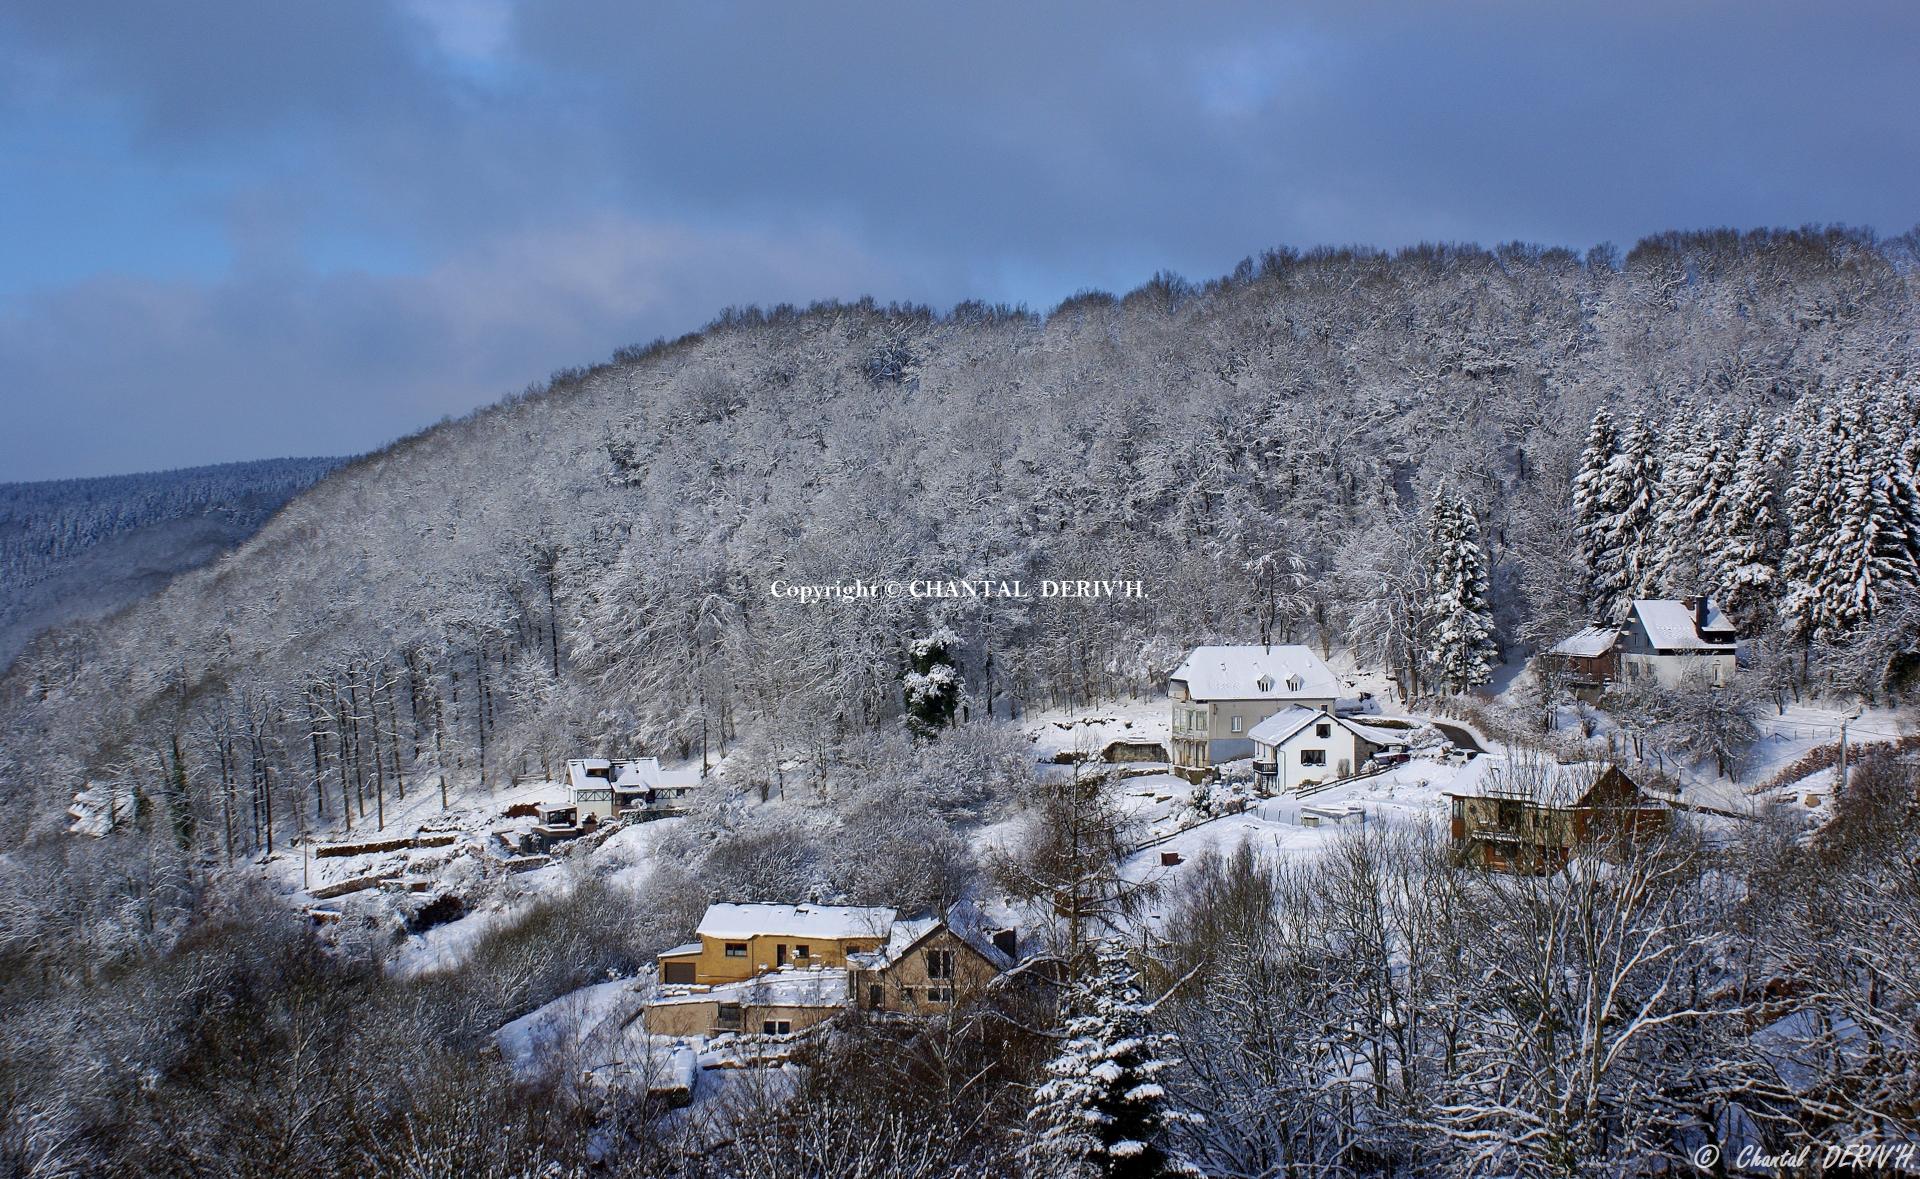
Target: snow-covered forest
<point>77,548</point>
<point>1425,462</point>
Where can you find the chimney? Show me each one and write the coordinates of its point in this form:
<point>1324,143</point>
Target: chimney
<point>1006,941</point>
<point>1700,615</point>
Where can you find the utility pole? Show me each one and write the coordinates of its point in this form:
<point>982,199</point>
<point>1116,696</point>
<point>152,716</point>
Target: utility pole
<point>1844,722</point>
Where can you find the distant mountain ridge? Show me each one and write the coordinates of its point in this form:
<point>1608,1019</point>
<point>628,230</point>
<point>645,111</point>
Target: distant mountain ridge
<point>74,549</point>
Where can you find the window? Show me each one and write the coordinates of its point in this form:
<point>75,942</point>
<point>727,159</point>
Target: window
<point>729,1015</point>
<point>1313,757</point>
<point>775,1027</point>
<point>1323,730</point>
<point>876,996</point>
<point>1295,683</point>
<point>939,963</point>
<point>736,949</point>
<point>906,994</point>
<point>939,994</point>
<point>1264,683</point>
<point>1239,723</point>
<point>802,951</point>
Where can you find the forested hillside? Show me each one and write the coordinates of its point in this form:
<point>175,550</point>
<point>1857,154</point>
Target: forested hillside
<point>589,565</point>
<point>81,548</point>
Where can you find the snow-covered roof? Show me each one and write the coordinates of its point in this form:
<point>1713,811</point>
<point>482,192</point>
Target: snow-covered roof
<point>1588,643</point>
<point>790,986</point>
<point>1285,723</point>
<point>633,773</point>
<point>1669,623</point>
<point>1549,784</point>
<point>680,951</point>
<point>1256,673</point>
<point>964,919</point>
<point>818,921</point>
<point>1282,726</point>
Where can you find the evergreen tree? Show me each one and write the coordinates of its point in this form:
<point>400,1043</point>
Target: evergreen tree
<point>1897,421</point>
<point>1591,512</point>
<point>1745,540</point>
<point>1619,502</point>
<point>1634,479</point>
<point>1694,473</point>
<point>933,685</point>
<point>1458,616</point>
<point>1850,545</point>
<point>1103,1110</point>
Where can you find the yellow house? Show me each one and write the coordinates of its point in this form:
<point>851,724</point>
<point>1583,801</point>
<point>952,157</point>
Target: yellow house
<point>929,965</point>
<point>738,942</point>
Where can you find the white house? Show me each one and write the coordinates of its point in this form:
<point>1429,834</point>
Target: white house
<point>604,788</point>
<point>1668,639</point>
<point>1303,745</point>
<point>1220,693</point>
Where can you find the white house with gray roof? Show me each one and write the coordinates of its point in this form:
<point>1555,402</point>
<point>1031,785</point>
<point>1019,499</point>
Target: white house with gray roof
<point>1299,746</point>
<point>1667,640</point>
<point>1218,694</point>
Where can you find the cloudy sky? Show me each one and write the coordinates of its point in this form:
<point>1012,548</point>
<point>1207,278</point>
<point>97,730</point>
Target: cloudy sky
<point>232,229</point>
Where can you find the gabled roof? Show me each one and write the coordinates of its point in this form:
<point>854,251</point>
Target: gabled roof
<point>1669,623</point>
<point>1581,784</point>
<point>1587,644</point>
<point>1256,673</point>
<point>1286,724</point>
<point>634,773</point>
<point>828,922</point>
<point>963,920</point>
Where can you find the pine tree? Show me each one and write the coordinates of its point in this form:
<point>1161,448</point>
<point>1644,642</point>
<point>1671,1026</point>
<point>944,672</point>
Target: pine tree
<point>933,685</point>
<point>1897,421</point>
<point>1591,512</point>
<point>1104,1110</point>
<point>1634,478</point>
<point>1850,545</point>
<point>1745,539</point>
<point>1458,616</point>
<point>1694,473</point>
<point>1617,500</point>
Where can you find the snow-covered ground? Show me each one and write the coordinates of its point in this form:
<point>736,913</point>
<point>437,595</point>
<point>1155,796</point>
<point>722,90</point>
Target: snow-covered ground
<point>597,1035</point>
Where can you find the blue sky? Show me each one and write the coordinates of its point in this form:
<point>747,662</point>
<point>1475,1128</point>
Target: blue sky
<point>235,230</point>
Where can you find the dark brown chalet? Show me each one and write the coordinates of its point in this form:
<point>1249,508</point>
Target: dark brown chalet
<point>1537,831</point>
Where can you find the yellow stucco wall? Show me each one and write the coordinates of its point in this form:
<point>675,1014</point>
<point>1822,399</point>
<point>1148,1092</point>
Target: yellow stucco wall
<point>713,965</point>
<point>703,1018</point>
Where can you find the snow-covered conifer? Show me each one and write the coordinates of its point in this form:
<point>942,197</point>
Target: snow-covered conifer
<point>1694,472</point>
<point>1618,503</point>
<point>1849,545</point>
<point>1104,1110</point>
<point>1746,538</point>
<point>933,685</point>
<point>1591,512</point>
<point>1457,613</point>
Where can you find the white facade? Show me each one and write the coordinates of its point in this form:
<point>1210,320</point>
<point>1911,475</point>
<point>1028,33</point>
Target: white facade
<point>603,788</point>
<point>1300,746</point>
<point>1670,640</point>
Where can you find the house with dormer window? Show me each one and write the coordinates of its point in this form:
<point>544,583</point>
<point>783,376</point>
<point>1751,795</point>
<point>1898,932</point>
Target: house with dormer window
<point>1218,694</point>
